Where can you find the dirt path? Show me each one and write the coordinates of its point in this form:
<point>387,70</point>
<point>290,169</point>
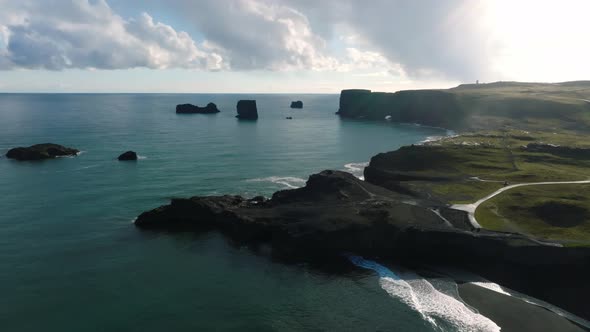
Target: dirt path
<point>470,208</point>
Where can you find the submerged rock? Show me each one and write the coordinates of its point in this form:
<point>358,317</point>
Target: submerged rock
<point>211,108</point>
<point>40,152</point>
<point>247,110</point>
<point>129,155</point>
<point>297,104</point>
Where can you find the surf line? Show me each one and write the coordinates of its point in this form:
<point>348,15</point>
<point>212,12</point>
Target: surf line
<point>420,295</point>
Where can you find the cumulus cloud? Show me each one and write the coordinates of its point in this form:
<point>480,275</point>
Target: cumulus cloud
<point>81,34</point>
<point>444,38</point>
<point>254,34</point>
<point>429,39</point>
<point>417,38</point>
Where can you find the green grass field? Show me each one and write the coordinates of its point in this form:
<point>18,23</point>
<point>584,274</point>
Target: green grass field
<point>552,212</point>
<point>496,157</point>
<point>532,106</point>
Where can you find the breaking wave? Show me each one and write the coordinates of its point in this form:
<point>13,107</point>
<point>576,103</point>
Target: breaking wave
<point>287,181</point>
<point>356,169</point>
<point>436,307</point>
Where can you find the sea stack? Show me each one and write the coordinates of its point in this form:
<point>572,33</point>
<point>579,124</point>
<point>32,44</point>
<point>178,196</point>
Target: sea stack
<point>211,108</point>
<point>40,152</point>
<point>247,110</point>
<point>297,104</point>
<point>129,155</point>
<point>354,102</point>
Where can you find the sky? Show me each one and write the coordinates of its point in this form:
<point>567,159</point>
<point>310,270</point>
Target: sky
<point>281,46</point>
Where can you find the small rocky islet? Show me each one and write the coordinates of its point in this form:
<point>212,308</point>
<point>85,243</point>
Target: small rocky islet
<point>297,104</point>
<point>128,156</point>
<point>40,152</point>
<point>211,108</point>
<point>247,110</point>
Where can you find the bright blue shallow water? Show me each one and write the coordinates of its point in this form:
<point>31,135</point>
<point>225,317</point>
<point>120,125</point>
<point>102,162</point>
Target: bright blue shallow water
<point>72,261</point>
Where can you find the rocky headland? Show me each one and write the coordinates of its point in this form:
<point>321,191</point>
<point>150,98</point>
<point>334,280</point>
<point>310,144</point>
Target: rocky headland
<point>337,213</point>
<point>531,106</point>
<point>40,152</point>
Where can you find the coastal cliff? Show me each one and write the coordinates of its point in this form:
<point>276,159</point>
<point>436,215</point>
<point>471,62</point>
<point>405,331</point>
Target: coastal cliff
<point>477,106</point>
<point>428,107</point>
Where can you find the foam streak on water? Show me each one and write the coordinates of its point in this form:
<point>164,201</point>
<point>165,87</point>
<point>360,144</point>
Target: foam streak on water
<point>289,182</point>
<point>356,169</point>
<point>419,294</point>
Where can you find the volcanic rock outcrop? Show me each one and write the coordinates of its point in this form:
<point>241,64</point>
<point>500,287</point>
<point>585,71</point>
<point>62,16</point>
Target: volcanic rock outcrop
<point>40,152</point>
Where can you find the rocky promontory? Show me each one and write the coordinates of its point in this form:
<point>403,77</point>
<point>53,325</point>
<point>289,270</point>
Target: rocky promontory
<point>531,106</point>
<point>211,108</point>
<point>337,213</point>
<point>40,152</point>
<point>247,110</point>
<point>429,107</point>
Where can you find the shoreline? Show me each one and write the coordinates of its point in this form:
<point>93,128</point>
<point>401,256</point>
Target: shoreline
<point>514,314</point>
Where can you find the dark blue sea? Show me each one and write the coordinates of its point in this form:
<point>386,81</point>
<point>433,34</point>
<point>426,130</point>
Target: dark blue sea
<point>71,259</point>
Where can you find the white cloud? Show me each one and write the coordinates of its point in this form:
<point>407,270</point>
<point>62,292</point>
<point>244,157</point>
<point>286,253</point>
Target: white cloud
<point>81,34</point>
<point>428,40</point>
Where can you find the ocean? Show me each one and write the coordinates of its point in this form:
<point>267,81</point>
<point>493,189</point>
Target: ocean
<point>71,259</point>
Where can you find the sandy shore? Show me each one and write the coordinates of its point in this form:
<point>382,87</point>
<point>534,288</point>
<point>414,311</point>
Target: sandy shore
<point>513,314</point>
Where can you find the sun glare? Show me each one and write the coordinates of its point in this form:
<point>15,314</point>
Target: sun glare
<point>540,40</point>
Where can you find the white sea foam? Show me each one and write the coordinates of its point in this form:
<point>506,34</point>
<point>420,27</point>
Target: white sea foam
<point>434,306</point>
<point>356,169</point>
<point>86,167</point>
<point>491,286</point>
<point>141,157</point>
<point>287,181</point>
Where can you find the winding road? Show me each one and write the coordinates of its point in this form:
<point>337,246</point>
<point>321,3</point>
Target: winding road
<point>470,208</point>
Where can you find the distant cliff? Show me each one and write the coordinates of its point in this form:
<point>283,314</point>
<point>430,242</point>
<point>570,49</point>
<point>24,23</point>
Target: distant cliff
<point>478,106</point>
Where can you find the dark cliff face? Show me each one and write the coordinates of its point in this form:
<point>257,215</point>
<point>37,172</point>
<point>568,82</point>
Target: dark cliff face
<point>354,103</point>
<point>334,213</point>
<point>211,108</point>
<point>247,110</point>
<point>428,107</point>
<point>40,152</point>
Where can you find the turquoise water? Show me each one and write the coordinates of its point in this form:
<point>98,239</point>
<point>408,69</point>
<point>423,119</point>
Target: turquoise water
<point>71,259</point>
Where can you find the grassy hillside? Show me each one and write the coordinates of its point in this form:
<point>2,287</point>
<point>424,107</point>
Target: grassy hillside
<point>531,106</point>
<point>552,212</point>
<point>466,168</point>
<point>446,169</point>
